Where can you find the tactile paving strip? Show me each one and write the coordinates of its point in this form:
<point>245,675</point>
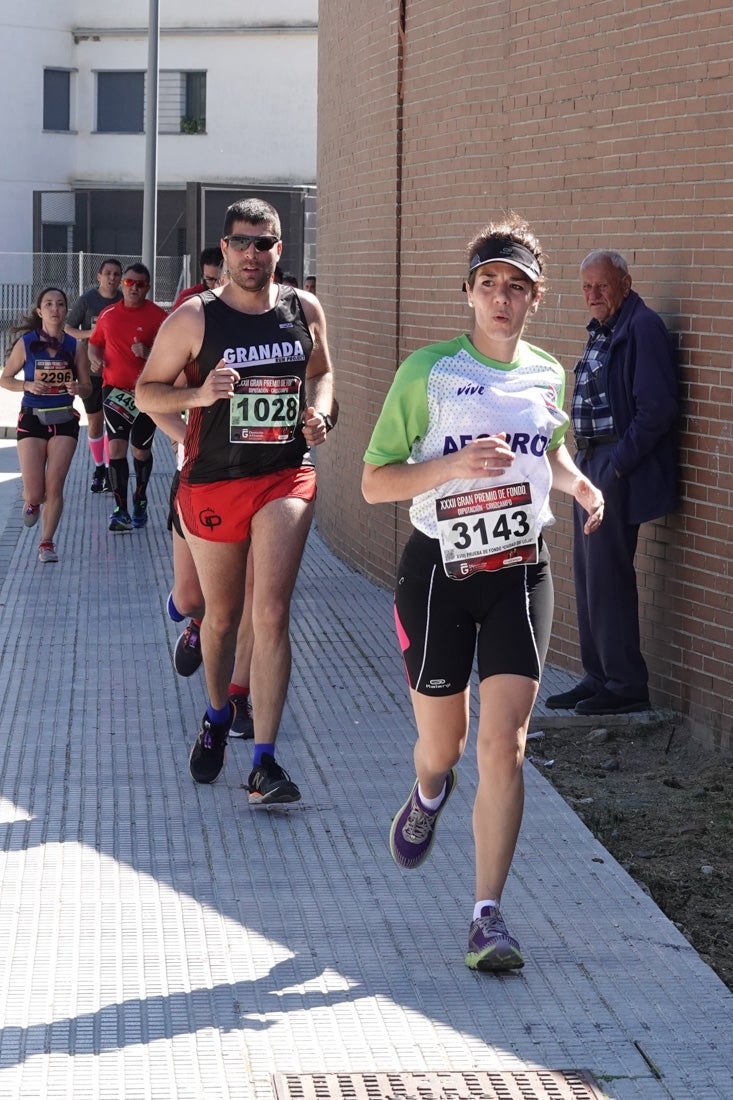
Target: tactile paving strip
<point>545,1084</point>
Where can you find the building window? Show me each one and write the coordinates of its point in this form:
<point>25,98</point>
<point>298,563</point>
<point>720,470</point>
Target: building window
<point>181,102</point>
<point>56,99</point>
<point>121,103</point>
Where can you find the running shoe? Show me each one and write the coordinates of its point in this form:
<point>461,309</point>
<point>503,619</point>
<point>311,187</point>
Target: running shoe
<point>187,653</point>
<point>490,947</point>
<point>31,512</point>
<point>99,480</point>
<point>243,725</point>
<point>268,784</point>
<point>412,835</point>
<point>47,551</point>
<point>207,755</point>
<point>139,512</point>
<point>120,521</point>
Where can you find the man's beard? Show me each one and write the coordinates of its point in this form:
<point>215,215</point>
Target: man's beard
<point>251,282</point>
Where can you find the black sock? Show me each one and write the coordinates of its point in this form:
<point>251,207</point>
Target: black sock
<point>143,467</point>
<point>119,475</point>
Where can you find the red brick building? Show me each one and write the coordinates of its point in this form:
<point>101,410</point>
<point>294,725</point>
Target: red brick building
<point>606,126</point>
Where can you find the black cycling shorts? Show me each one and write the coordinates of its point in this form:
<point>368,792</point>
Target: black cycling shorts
<point>140,433</point>
<point>93,403</point>
<point>30,427</point>
<point>505,616</point>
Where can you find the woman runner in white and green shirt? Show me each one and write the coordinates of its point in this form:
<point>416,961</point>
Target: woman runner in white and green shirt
<point>472,432</point>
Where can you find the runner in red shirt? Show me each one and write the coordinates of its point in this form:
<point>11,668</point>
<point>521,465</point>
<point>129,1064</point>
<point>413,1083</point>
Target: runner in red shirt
<point>121,342</point>
<point>210,262</point>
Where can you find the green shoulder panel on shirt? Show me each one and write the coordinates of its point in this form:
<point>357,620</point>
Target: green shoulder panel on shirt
<point>558,436</point>
<point>404,415</point>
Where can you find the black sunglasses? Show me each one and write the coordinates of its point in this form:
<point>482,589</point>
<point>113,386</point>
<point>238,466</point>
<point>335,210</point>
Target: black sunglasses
<point>240,242</point>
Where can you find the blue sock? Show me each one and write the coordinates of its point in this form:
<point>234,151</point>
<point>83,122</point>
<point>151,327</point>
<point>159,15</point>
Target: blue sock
<point>260,751</point>
<point>173,612</point>
<point>219,717</point>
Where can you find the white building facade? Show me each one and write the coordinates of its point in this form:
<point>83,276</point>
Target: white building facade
<point>236,116</point>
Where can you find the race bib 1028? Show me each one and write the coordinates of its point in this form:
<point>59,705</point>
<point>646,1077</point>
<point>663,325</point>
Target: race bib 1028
<point>265,409</point>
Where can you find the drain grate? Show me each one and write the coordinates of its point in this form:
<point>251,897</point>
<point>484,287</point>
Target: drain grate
<point>543,1084</point>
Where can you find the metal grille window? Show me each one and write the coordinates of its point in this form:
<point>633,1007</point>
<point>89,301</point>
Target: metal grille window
<point>181,102</point>
<point>57,99</point>
<point>121,102</point>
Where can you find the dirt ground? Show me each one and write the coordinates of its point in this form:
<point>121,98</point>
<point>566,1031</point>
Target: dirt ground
<point>662,806</point>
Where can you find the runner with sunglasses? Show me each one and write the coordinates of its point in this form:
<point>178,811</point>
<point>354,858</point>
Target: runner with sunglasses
<point>259,395</point>
<point>118,347</point>
<point>55,371</point>
<point>472,431</point>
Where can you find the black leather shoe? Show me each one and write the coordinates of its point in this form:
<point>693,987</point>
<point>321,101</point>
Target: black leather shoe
<point>567,700</point>
<point>607,702</point>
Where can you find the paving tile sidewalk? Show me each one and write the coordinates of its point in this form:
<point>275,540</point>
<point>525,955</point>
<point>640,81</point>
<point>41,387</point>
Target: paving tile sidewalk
<point>161,939</point>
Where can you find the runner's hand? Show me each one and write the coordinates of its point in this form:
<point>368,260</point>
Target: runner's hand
<point>590,498</point>
<point>34,385</point>
<point>314,427</point>
<point>488,457</point>
<point>218,384</point>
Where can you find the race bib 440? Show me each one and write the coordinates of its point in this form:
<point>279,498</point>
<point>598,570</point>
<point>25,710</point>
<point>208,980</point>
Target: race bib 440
<point>122,402</point>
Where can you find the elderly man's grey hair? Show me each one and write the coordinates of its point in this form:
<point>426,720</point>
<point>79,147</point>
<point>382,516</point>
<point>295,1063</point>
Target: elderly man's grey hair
<point>599,255</point>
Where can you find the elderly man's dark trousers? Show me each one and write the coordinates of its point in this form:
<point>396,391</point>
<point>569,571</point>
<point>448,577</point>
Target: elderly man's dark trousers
<point>605,587</point>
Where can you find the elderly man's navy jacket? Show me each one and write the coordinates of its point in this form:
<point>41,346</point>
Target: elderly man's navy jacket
<point>642,389</point>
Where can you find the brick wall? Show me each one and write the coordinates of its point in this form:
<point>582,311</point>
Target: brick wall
<point>606,126</point>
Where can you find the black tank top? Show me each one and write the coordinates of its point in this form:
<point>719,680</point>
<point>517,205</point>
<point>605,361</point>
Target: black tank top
<point>259,430</point>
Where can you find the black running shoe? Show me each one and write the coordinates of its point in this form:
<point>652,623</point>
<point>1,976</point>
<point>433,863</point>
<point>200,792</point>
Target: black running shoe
<point>207,755</point>
<point>243,725</point>
<point>187,653</point>
<point>268,784</point>
<point>99,480</point>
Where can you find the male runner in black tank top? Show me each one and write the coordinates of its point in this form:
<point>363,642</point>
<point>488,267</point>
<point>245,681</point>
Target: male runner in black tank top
<point>260,394</point>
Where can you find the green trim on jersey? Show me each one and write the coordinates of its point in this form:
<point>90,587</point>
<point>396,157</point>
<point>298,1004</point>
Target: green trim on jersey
<point>404,418</point>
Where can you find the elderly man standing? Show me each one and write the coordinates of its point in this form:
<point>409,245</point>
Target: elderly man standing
<point>624,413</point>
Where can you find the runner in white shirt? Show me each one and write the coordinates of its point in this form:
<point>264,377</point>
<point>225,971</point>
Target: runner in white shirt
<point>472,431</point>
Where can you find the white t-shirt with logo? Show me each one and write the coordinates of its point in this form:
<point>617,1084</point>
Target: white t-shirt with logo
<point>448,394</point>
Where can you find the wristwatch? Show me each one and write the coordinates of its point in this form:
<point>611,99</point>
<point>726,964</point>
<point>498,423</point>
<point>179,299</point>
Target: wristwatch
<point>327,420</point>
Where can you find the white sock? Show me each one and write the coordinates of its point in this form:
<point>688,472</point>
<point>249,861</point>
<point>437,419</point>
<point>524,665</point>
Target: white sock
<point>480,904</point>
<point>431,803</point>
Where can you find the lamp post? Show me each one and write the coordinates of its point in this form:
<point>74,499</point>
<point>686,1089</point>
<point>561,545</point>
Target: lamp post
<point>150,188</point>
